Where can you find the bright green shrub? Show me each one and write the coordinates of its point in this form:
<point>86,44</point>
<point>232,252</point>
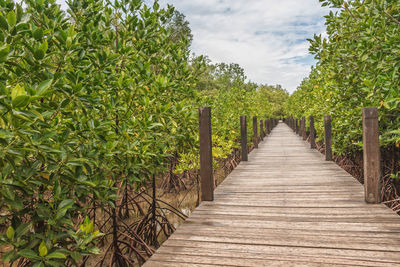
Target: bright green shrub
<point>357,66</point>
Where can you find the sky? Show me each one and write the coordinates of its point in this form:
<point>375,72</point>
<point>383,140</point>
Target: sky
<point>265,37</point>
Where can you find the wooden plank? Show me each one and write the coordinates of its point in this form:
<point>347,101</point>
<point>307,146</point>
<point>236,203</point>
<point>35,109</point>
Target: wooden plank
<point>206,170</point>
<point>391,256</point>
<point>371,154</point>
<point>176,255</point>
<point>342,242</point>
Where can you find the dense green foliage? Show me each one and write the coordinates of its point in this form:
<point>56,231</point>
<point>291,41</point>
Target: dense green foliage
<point>358,66</point>
<point>224,88</point>
<point>92,101</point>
<point>85,100</point>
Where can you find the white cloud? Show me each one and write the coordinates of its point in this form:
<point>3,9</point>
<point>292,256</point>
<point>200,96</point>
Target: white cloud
<point>266,37</point>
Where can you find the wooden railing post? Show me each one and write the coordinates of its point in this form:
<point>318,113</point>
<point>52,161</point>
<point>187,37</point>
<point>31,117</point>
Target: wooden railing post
<point>297,126</point>
<point>300,127</point>
<point>261,130</point>
<point>206,170</point>
<point>371,155</point>
<point>243,139</point>
<point>312,133</point>
<point>255,135</point>
<point>266,128</point>
<point>293,124</point>
<point>304,132</point>
<point>328,137</point>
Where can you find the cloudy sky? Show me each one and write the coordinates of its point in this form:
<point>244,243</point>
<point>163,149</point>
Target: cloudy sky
<point>266,37</point>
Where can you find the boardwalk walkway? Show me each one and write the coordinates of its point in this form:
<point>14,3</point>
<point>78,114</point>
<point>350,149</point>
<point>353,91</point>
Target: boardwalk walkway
<point>286,206</point>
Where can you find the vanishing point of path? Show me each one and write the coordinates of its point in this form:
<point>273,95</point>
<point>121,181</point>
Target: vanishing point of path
<point>286,206</point>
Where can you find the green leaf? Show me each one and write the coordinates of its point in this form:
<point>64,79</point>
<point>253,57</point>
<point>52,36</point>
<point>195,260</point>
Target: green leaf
<point>4,51</point>
<point>38,54</point>
<point>38,34</point>
<point>44,46</point>
<point>66,203</point>
<point>23,229</point>
<point>29,254</point>
<point>63,207</point>
<point>18,90</point>
<point>16,204</point>
<point>40,116</point>
<point>20,101</point>
<point>7,193</point>
<point>3,23</point>
<point>56,255</point>
<point>10,232</point>
<point>19,12</point>
<point>42,249</point>
<point>11,18</point>
<point>43,87</point>
<point>94,250</point>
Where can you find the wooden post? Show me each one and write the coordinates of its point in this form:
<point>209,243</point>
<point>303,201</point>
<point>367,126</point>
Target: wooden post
<point>206,171</point>
<point>297,126</point>
<point>243,134</point>
<point>312,133</point>
<point>293,126</point>
<point>304,132</point>
<point>371,154</point>
<point>328,137</point>
<point>266,127</point>
<point>255,135</point>
<point>261,130</point>
<point>300,127</point>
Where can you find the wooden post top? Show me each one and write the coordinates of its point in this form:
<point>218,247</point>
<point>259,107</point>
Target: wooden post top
<point>370,112</point>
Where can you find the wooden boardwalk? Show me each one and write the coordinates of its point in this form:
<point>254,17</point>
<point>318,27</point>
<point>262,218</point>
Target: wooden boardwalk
<point>286,206</point>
